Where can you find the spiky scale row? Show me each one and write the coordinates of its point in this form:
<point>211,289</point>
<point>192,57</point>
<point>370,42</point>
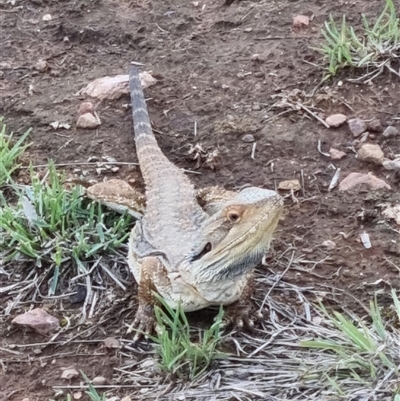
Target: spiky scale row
<point>172,211</point>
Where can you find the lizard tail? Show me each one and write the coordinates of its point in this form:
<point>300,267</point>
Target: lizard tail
<point>141,120</point>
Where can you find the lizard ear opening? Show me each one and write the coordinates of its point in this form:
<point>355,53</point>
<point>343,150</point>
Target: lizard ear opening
<point>207,248</point>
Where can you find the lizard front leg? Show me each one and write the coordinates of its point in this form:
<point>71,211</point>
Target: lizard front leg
<point>145,322</point>
<point>241,314</point>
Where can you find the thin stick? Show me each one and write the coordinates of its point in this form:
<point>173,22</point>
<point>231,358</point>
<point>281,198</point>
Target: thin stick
<point>82,164</point>
<point>253,150</point>
<point>98,164</point>
<point>313,114</point>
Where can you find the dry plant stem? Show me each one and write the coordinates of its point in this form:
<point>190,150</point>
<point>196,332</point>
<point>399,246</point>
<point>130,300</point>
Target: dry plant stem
<point>313,114</point>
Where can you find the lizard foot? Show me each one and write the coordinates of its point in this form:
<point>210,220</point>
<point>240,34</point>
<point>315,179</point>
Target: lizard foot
<point>144,322</point>
<point>240,315</point>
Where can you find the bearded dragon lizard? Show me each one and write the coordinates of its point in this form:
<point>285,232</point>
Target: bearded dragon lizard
<point>194,247</point>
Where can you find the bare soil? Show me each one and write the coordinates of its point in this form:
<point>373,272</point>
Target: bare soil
<point>219,68</point>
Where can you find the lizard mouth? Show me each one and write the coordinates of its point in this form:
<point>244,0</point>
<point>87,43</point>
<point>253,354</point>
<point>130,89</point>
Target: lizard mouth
<point>241,250</point>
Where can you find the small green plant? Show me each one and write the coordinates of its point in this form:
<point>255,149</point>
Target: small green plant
<point>366,352</point>
<point>374,47</point>
<point>9,153</point>
<point>178,354</point>
<point>56,228</point>
<point>92,392</point>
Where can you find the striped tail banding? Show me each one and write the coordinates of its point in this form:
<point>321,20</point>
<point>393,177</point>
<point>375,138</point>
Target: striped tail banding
<point>141,120</point>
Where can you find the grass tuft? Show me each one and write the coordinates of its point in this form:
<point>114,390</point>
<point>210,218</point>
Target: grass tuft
<point>10,153</point>
<point>373,48</point>
<point>178,354</point>
<point>57,229</point>
<point>367,351</point>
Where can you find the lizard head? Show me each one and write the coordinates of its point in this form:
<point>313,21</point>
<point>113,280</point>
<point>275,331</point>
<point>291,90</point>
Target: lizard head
<point>235,238</point>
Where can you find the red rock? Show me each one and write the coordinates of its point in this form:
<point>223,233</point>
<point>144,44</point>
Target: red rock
<point>88,121</point>
<point>86,107</point>
<point>300,21</point>
<point>354,181</point>
<point>336,154</point>
<point>38,320</point>
<point>112,88</point>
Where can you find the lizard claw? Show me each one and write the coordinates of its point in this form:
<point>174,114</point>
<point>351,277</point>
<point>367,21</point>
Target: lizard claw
<point>144,322</point>
<point>240,316</point>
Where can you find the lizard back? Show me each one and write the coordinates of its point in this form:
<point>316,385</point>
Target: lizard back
<point>172,217</point>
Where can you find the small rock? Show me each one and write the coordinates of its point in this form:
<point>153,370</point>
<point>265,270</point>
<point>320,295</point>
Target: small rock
<point>290,185</point>
<point>111,342</point>
<point>354,181</point>
<point>375,125</point>
<point>390,131</point>
<point>224,86</point>
<point>69,373</point>
<point>110,159</point>
<point>127,398</point>
<point>41,65</point>
<point>371,153</point>
<point>86,107</point>
<point>300,21</point>
<point>259,74</point>
<point>39,320</point>
<point>357,126</point>
<point>25,399</point>
<point>99,380</point>
<point>47,17</point>
<point>257,57</point>
<point>247,29</point>
<point>329,244</point>
<point>336,120</point>
<point>336,154</point>
<point>112,88</point>
<point>248,138</point>
<point>391,164</point>
<point>392,212</point>
<point>58,124</point>
<point>115,169</point>
<point>77,395</point>
<point>87,121</point>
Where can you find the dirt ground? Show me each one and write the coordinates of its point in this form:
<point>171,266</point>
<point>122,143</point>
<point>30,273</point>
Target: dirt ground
<point>221,72</point>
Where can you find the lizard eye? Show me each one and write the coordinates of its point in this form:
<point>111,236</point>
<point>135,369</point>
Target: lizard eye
<point>233,216</point>
<point>207,248</point>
